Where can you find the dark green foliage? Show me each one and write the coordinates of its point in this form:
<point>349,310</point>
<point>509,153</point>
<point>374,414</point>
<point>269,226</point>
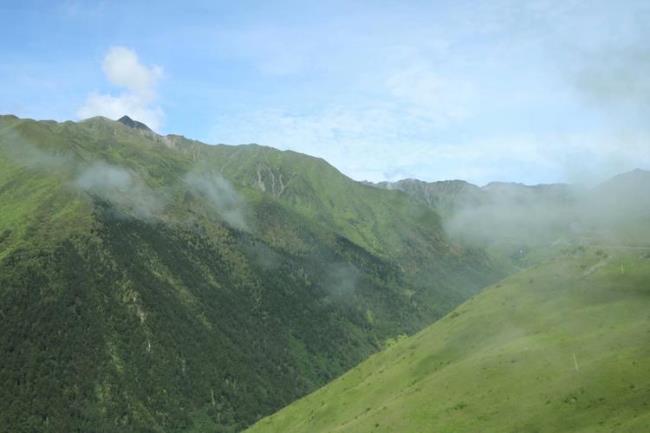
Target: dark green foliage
<point>93,333</point>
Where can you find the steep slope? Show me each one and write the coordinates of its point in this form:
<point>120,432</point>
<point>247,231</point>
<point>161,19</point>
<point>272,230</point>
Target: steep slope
<point>158,284</point>
<point>126,120</point>
<point>561,347</point>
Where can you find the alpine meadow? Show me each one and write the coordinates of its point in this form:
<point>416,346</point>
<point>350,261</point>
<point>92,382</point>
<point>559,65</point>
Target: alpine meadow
<point>440,222</point>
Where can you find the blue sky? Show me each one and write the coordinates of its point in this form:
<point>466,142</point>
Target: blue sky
<point>527,91</point>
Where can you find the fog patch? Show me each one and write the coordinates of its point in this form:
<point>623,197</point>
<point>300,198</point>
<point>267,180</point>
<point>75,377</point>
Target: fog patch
<point>263,256</point>
<point>341,279</point>
<point>514,214</point>
<point>617,77</point>
<point>121,187</point>
<point>616,211</point>
<point>221,195</point>
<point>613,81</point>
<point>25,154</point>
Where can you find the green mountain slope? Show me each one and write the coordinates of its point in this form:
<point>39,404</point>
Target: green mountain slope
<point>445,196</point>
<point>157,284</point>
<point>561,347</point>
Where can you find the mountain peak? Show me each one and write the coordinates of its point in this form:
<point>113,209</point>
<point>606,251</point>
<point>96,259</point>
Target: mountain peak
<point>126,120</point>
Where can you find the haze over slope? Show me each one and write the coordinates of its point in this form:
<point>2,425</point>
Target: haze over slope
<point>153,283</point>
<point>526,222</point>
<point>561,347</point>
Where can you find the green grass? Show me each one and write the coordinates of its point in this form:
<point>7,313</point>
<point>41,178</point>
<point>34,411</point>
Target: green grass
<point>36,206</point>
<point>560,347</point>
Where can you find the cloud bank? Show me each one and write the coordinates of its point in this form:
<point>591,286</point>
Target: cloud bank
<point>123,69</point>
<point>476,90</point>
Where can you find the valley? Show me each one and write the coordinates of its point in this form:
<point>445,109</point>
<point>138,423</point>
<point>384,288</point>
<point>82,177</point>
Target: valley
<point>559,347</point>
<point>158,284</point>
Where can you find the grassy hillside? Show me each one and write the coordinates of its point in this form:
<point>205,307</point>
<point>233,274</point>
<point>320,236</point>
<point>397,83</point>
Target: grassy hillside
<point>158,284</point>
<point>561,347</point>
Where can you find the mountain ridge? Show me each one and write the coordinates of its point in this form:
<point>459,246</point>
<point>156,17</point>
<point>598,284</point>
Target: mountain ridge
<point>208,285</point>
<point>126,120</point>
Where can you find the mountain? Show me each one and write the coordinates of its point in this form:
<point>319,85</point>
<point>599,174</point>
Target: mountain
<point>623,202</point>
<point>515,223</point>
<point>126,120</point>
<point>448,197</point>
<point>444,196</point>
<point>632,181</point>
<point>560,347</point>
<point>527,223</point>
<point>158,284</point>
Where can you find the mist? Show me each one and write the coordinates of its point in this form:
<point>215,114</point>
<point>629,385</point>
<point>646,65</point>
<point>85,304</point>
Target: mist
<point>263,256</point>
<point>611,83</point>
<point>121,187</point>
<point>516,217</point>
<point>221,195</point>
<point>23,153</point>
<point>616,78</point>
<point>341,279</point>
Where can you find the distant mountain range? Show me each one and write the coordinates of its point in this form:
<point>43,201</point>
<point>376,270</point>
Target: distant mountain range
<point>509,217</point>
<point>450,195</point>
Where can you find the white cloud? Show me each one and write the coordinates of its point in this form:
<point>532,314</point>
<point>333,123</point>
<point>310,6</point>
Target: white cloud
<point>124,70</point>
<point>379,143</point>
<point>362,141</point>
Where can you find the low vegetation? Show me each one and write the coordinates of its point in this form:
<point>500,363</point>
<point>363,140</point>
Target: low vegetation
<point>556,348</point>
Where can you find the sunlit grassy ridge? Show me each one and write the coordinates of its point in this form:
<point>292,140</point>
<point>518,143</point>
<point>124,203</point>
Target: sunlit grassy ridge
<point>158,284</point>
<point>561,347</point>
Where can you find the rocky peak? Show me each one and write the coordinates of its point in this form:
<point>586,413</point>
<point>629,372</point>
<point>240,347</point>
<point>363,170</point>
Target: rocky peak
<point>126,120</point>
